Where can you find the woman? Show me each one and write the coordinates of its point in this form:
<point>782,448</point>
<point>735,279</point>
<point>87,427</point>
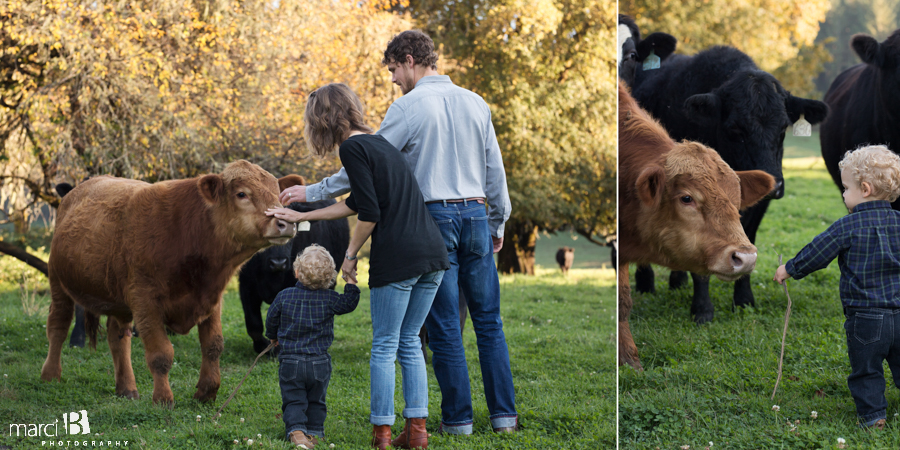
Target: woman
<point>407,261</point>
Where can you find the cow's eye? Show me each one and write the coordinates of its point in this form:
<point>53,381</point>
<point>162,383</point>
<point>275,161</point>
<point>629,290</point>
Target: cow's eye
<point>241,195</point>
<point>687,199</point>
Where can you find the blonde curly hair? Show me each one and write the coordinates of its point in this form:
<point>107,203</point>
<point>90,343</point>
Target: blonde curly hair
<point>876,165</point>
<point>315,268</point>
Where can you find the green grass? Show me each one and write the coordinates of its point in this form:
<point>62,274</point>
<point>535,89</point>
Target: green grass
<point>713,383</point>
<point>560,333</point>
<point>802,147</point>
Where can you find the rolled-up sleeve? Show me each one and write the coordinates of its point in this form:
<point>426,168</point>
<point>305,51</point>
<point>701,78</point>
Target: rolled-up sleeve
<point>362,199</point>
<point>337,184</point>
<point>495,188</point>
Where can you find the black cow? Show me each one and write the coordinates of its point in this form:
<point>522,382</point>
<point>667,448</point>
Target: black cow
<point>633,50</point>
<point>864,102</point>
<point>564,257</point>
<point>721,98</point>
<point>270,271</point>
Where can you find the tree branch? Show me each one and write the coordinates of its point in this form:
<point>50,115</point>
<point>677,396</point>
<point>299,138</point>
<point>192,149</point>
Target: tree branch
<point>24,256</point>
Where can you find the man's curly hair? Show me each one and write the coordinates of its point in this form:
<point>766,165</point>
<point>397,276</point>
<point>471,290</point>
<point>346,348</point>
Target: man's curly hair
<point>876,165</point>
<point>414,43</point>
<point>315,268</point>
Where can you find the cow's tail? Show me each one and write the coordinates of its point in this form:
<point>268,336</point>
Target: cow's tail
<point>91,326</point>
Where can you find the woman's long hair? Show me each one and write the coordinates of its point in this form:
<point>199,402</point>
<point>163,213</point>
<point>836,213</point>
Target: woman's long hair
<point>332,112</point>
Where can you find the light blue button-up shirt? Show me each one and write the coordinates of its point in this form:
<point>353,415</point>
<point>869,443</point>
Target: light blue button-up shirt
<point>447,136</point>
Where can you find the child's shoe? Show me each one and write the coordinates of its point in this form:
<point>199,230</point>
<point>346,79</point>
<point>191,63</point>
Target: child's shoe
<point>878,425</point>
<point>301,440</point>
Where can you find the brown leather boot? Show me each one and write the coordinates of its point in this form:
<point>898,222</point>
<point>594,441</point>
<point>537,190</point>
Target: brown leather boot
<point>301,440</point>
<point>381,436</point>
<point>413,435</point>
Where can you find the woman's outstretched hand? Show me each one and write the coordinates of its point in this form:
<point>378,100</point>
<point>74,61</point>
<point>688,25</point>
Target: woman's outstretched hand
<point>286,214</point>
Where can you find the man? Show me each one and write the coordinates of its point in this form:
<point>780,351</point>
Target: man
<point>447,136</point>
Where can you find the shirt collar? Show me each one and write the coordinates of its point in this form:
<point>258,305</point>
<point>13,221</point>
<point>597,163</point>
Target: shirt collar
<point>433,79</point>
<point>301,286</point>
<point>874,204</point>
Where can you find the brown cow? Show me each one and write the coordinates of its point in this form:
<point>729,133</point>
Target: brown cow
<point>678,207</point>
<point>160,255</point>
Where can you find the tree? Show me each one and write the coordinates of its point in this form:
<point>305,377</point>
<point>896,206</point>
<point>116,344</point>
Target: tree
<point>778,34</point>
<point>547,69</point>
<point>158,90</point>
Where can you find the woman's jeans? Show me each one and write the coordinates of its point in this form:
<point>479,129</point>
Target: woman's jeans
<point>304,382</point>
<point>873,336</point>
<point>398,312</point>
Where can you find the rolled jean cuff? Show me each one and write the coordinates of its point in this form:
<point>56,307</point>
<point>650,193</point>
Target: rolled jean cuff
<point>870,420</point>
<point>465,428</point>
<point>504,421</point>
<point>415,413</point>
<point>381,420</point>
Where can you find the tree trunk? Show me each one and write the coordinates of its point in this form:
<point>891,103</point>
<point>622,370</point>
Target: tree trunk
<point>28,258</point>
<point>517,254</point>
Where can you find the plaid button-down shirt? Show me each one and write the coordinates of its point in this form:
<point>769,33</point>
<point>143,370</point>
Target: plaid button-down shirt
<point>866,243</point>
<point>303,320</point>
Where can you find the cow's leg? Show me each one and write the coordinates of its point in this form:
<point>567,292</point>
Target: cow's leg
<point>78,333</point>
<point>212,344</point>
<point>118,335</point>
<point>644,279</point>
<point>61,311</point>
<point>701,304</point>
<point>158,351</point>
<point>743,292</point>
<point>628,353</point>
<point>677,279</point>
<point>252,305</point>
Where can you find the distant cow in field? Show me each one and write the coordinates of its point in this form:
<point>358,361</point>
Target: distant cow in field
<point>864,102</point>
<point>633,50</point>
<point>159,255</point>
<point>719,98</point>
<point>271,270</point>
<point>564,257</point>
<point>678,207</point>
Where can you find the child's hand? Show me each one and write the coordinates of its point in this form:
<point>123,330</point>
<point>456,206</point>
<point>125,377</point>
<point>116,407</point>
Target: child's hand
<point>274,341</point>
<point>781,274</point>
<point>348,271</point>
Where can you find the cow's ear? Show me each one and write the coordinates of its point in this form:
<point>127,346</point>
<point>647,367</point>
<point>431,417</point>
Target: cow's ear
<point>703,108</point>
<point>212,187</point>
<point>661,44</point>
<point>291,180</point>
<point>755,185</point>
<point>868,49</point>
<point>650,185</point>
<point>813,111</point>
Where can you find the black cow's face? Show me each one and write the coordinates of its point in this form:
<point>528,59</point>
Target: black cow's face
<point>277,259</point>
<point>750,114</point>
<point>628,56</point>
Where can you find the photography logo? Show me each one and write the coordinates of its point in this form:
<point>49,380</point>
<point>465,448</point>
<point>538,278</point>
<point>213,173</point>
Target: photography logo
<point>73,423</point>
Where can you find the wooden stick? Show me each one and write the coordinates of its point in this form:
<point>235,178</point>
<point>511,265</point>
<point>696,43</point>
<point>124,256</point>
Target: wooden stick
<point>270,347</point>
<point>787,317</point>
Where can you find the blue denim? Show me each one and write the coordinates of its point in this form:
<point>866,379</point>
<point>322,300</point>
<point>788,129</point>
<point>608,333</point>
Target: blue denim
<point>464,227</point>
<point>398,312</point>
<point>873,336</point>
<point>304,382</point>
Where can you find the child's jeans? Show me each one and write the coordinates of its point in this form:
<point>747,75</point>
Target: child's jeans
<point>304,381</point>
<point>873,336</point>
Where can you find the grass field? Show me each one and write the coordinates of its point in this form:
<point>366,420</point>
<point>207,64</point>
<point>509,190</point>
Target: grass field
<point>560,332</point>
<point>710,386</point>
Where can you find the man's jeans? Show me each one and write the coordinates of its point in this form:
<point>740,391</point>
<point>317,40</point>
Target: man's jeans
<point>304,382</point>
<point>465,231</point>
<point>873,336</point>
<point>398,312</point>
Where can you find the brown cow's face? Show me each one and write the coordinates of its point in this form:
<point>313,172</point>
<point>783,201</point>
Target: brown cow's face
<point>240,196</point>
<point>693,204</point>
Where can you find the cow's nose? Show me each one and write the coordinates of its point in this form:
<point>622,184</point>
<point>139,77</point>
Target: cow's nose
<point>743,262</point>
<point>278,264</point>
<point>282,225</point>
<point>778,191</point>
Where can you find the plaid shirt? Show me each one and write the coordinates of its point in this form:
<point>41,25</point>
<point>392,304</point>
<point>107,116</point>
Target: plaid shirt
<point>303,319</point>
<point>867,245</point>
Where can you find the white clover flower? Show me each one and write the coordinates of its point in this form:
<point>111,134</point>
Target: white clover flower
<point>134,426</point>
<point>242,420</point>
<point>236,442</point>
<point>776,408</point>
<point>249,441</point>
<point>814,415</point>
<point>710,443</point>
<point>841,441</point>
<point>331,445</point>
<point>259,435</point>
<point>685,447</point>
<point>198,418</point>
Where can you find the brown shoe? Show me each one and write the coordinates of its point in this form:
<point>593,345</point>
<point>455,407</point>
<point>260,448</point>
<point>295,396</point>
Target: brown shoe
<point>413,435</point>
<point>381,436</point>
<point>301,440</point>
<point>878,425</point>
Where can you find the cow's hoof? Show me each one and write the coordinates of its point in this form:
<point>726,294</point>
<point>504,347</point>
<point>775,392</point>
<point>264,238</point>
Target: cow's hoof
<point>205,397</point>
<point>703,318</point>
<point>131,394</point>
<point>50,374</point>
<point>164,399</point>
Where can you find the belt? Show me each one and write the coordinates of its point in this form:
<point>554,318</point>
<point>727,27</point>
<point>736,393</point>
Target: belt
<point>459,200</point>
